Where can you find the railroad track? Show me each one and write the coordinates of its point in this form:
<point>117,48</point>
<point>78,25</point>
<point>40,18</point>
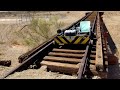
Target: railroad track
<point>82,60</point>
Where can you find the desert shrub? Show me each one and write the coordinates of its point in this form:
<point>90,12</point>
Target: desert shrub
<point>39,30</point>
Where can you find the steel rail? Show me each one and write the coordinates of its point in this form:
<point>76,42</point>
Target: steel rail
<point>83,63</point>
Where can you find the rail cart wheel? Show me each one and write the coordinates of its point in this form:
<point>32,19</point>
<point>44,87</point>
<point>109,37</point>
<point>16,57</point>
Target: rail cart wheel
<point>59,31</point>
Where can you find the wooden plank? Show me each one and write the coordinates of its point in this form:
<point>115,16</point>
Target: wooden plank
<point>61,67</point>
<point>92,62</point>
<point>94,45</point>
<point>93,52</point>
<point>92,56</point>
<point>66,55</point>
<point>68,50</point>
<point>104,49</point>
<point>99,53</point>
<point>62,59</point>
<point>105,52</point>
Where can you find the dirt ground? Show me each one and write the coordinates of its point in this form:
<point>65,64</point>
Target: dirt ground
<point>9,51</point>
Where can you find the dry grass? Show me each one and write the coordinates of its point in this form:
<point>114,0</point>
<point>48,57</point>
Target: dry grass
<point>31,35</point>
<point>41,29</point>
<point>38,31</point>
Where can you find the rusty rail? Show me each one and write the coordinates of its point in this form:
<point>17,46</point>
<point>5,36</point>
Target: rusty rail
<point>83,64</point>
